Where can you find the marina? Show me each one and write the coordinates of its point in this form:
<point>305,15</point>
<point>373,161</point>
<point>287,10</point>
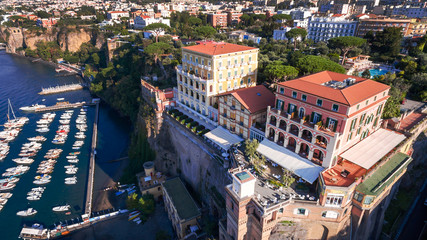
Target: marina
<point>61,89</point>
<point>113,143</point>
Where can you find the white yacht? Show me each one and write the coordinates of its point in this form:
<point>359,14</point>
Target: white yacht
<point>61,208</point>
<point>23,160</point>
<point>28,212</point>
<point>33,107</point>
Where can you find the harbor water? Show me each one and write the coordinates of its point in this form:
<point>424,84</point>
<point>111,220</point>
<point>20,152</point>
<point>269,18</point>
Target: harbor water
<point>20,81</point>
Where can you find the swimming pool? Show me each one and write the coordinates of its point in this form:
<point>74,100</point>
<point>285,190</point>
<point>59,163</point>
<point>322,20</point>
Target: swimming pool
<point>377,72</point>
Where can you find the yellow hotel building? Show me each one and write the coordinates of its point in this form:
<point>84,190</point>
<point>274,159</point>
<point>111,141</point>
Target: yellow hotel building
<point>211,68</point>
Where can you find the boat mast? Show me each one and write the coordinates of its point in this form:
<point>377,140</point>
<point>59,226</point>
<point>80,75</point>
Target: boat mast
<point>10,105</point>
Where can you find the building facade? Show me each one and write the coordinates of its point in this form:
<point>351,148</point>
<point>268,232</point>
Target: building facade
<point>324,28</point>
<point>117,15</point>
<point>241,109</point>
<point>218,19</point>
<point>348,194</point>
<point>321,115</point>
<point>212,68</point>
<point>379,23</point>
<point>181,208</point>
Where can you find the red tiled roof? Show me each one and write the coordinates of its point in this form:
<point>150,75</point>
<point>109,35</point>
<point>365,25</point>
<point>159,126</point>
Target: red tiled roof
<point>254,98</point>
<point>117,12</point>
<point>217,48</point>
<point>350,95</point>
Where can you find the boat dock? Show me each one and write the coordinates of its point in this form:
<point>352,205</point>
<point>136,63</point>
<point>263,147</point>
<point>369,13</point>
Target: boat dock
<point>91,176</point>
<point>61,106</point>
<point>62,67</point>
<point>30,233</point>
<point>60,89</point>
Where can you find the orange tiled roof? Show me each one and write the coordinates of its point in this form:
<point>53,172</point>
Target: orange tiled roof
<point>217,48</point>
<point>350,95</point>
<point>254,98</point>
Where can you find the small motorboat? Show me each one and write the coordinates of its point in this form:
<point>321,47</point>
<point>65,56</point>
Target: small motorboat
<point>28,212</point>
<point>73,160</point>
<point>42,130</point>
<point>61,208</point>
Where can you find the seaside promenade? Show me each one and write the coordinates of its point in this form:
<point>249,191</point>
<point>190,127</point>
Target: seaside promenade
<point>90,180</point>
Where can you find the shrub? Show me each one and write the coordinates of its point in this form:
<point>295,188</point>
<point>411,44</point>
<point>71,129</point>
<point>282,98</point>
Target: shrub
<point>203,132</point>
<point>200,128</point>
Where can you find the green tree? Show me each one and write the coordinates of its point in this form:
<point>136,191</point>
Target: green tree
<point>366,74</point>
<point>419,86</point>
<point>205,32</point>
<point>313,64</point>
<point>287,178</point>
<point>250,148</point>
<point>295,34</point>
<point>71,59</point>
<point>156,49</point>
<point>277,71</point>
<point>95,58</point>
<point>345,44</point>
<point>157,29</point>
<point>43,14</point>
<point>195,21</point>
<point>281,17</point>
<point>386,42</point>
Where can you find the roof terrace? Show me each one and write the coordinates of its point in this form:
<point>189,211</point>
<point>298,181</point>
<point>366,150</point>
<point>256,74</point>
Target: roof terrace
<point>343,174</point>
<point>384,175</point>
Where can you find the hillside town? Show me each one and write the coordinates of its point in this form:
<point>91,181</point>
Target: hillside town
<point>254,120</point>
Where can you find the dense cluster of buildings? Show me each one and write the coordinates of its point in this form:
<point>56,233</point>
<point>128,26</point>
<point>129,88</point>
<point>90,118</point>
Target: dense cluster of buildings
<point>322,19</point>
<point>325,129</point>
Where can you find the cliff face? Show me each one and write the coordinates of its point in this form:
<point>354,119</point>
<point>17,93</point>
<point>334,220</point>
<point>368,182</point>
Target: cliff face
<point>68,39</point>
<point>14,39</point>
<point>32,38</point>
<point>178,152</point>
<point>71,40</point>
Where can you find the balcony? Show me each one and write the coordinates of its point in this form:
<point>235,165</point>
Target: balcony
<point>298,120</point>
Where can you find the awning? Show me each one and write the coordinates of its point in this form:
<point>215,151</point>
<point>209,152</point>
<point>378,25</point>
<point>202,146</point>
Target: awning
<point>371,149</point>
<point>223,137</point>
<point>290,160</point>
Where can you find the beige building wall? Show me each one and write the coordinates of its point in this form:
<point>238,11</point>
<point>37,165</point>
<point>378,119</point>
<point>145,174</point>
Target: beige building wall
<point>203,76</point>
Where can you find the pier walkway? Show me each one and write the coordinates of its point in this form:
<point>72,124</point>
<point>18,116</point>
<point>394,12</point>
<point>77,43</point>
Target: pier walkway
<point>89,189</point>
<point>62,106</point>
<point>61,89</point>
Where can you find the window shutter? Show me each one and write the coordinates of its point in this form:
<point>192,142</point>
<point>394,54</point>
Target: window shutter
<point>320,118</point>
<point>327,122</point>
<point>277,104</point>
<point>312,117</point>
<point>335,126</point>
<point>289,108</point>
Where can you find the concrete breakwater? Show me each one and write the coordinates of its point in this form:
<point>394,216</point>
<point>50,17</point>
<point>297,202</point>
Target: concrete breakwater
<point>60,89</point>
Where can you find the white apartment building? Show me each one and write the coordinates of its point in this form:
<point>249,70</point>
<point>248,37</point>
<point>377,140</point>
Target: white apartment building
<point>280,34</point>
<point>211,68</point>
<point>297,13</point>
<point>140,22</point>
<point>117,15</point>
<point>324,28</point>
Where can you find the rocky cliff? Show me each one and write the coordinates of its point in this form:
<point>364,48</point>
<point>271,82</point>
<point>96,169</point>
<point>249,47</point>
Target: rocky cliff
<point>179,152</point>
<point>67,38</point>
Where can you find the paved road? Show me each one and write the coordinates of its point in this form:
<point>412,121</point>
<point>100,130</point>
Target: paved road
<point>415,223</point>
